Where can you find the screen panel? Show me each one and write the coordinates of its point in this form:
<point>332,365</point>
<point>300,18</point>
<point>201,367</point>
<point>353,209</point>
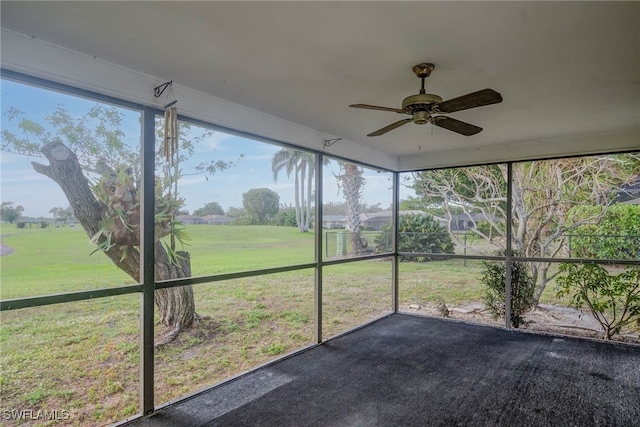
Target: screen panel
<point>355,293</point>
<point>67,165</point>
<point>242,323</point>
<point>241,204</point>
<point>71,364</point>
<point>357,209</point>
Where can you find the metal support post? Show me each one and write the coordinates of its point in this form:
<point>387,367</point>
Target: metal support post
<point>317,293</point>
<point>509,255</point>
<point>147,261</point>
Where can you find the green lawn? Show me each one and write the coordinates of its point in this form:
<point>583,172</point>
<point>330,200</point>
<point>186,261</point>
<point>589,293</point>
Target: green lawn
<point>43,258</point>
<point>83,357</point>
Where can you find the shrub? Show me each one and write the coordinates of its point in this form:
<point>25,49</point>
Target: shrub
<point>44,224</point>
<point>286,218</point>
<point>522,287</point>
<point>21,224</point>
<point>417,233</point>
<point>613,300</point>
<point>616,236</point>
<point>489,230</point>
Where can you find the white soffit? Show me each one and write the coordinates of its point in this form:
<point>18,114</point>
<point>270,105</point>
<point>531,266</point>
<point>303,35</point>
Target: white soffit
<point>569,72</point>
<point>27,55</point>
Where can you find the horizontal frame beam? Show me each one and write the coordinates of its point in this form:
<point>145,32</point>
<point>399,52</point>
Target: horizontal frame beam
<point>14,304</point>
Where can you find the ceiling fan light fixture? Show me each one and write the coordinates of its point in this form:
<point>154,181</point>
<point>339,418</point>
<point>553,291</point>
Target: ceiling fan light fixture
<point>421,117</point>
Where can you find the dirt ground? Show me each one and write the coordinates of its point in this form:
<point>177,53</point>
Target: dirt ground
<point>546,318</point>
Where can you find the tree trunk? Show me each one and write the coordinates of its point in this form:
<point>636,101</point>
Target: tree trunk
<point>297,198</point>
<point>307,221</point>
<point>176,306</point>
<point>303,214</point>
<point>351,182</point>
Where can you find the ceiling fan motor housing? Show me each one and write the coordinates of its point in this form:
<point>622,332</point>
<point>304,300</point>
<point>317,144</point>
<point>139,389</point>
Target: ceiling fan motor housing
<point>420,106</point>
<point>421,101</point>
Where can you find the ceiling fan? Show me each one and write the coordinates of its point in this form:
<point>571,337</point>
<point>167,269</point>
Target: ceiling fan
<point>425,107</point>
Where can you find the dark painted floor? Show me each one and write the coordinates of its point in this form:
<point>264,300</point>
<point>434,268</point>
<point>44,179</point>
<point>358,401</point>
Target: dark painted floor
<point>415,371</point>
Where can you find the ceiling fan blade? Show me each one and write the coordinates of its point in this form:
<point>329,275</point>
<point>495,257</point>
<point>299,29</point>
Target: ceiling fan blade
<point>455,125</point>
<point>390,127</point>
<point>471,100</point>
<point>376,107</point>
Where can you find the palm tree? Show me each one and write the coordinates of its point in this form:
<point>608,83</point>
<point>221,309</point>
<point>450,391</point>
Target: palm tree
<point>302,165</point>
<point>351,183</point>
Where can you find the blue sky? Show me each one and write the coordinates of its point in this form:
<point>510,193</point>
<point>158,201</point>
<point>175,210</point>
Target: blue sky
<point>21,185</point>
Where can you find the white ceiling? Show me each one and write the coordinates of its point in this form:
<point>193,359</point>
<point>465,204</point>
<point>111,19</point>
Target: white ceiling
<point>569,72</point>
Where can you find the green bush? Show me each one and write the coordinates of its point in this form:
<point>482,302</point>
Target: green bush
<point>285,218</point>
<point>416,233</point>
<point>522,287</point>
<point>616,236</point>
<point>44,224</point>
<point>489,230</point>
<point>21,224</point>
<point>613,300</point>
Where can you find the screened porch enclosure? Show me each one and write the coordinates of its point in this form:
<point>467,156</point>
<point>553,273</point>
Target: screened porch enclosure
<point>264,290</point>
<point>210,237</point>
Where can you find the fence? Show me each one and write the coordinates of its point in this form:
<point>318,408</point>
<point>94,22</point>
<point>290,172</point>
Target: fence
<point>597,246</point>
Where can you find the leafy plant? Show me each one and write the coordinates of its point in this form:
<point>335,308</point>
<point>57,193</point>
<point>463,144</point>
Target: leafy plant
<point>613,300</point>
<point>416,233</point>
<point>522,288</point>
<point>615,236</point>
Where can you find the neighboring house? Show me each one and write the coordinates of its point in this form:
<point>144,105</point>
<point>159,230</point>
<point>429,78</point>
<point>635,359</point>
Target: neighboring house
<point>334,221</point>
<point>466,221</point>
<point>630,193</point>
<point>217,219</point>
<point>368,221</point>
<point>377,220</point>
<point>204,220</point>
<point>190,219</point>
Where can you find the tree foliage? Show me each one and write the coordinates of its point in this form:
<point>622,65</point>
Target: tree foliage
<point>211,208</point>
<point>234,212</point>
<point>613,300</point>
<point>543,194</point>
<point>61,214</point>
<point>286,217</point>
<point>261,205</point>
<point>302,165</point>
<point>416,233</point>
<point>9,212</point>
<point>616,235</point>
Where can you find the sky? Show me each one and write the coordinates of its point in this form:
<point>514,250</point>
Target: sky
<point>37,194</point>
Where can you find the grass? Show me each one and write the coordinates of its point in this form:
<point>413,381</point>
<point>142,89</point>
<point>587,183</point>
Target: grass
<point>43,258</point>
<point>83,357</point>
